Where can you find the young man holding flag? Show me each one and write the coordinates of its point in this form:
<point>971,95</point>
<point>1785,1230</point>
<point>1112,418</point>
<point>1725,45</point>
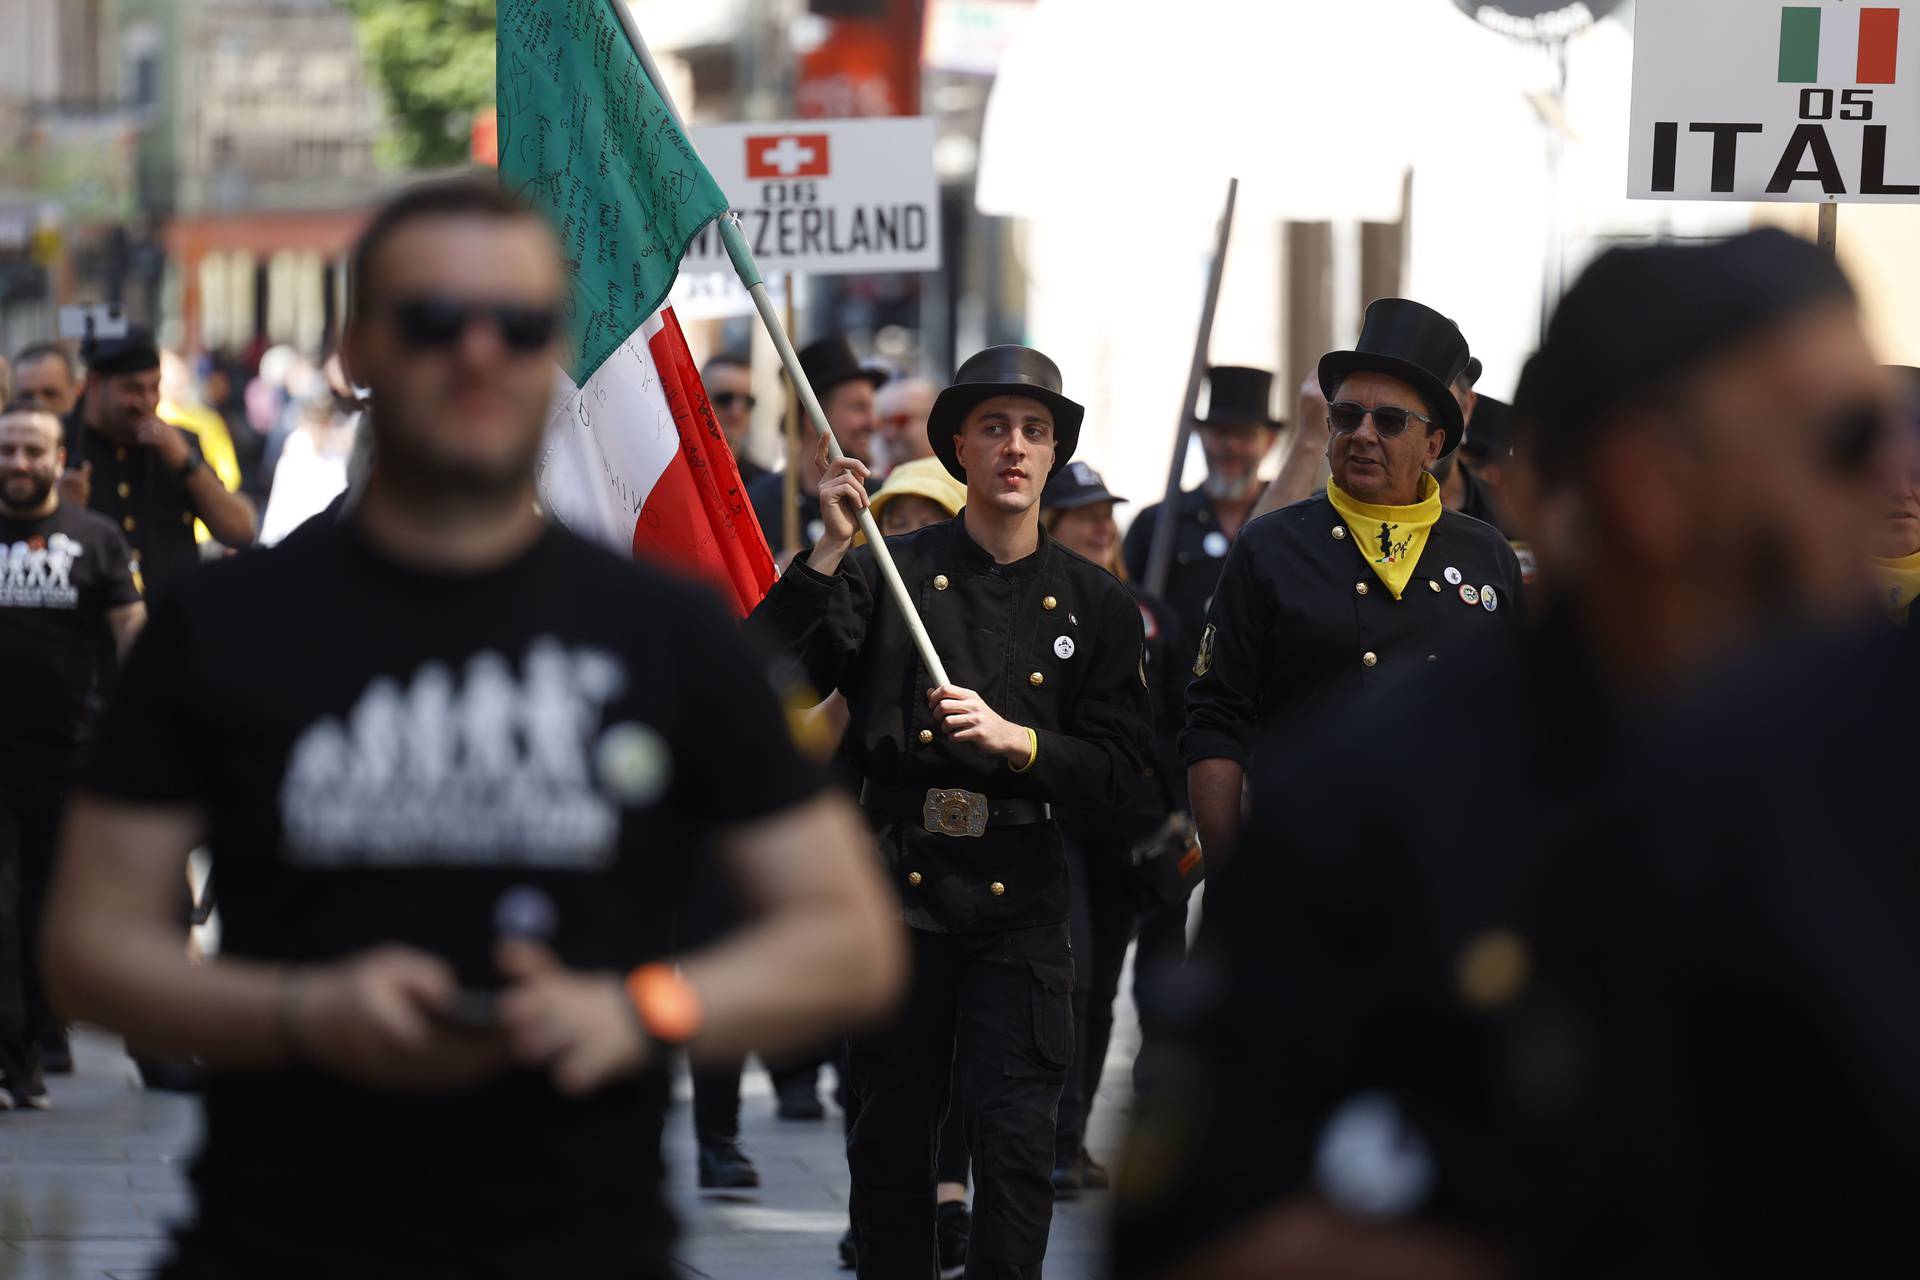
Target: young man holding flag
<point>1046,703</point>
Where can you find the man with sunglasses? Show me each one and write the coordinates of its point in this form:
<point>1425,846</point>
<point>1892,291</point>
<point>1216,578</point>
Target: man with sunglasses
<point>845,388</point>
<point>729,381</point>
<point>145,475</point>
<point>450,855</point>
<point>1647,1011</point>
<point>1335,596</point>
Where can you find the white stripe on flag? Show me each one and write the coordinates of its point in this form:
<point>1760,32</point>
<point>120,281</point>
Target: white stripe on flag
<point>607,443</point>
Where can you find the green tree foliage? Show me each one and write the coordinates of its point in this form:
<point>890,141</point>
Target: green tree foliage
<point>433,60</point>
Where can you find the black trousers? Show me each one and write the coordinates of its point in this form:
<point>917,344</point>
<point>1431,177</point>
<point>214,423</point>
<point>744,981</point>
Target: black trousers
<point>31,801</point>
<point>1163,947</point>
<point>993,1011</point>
<point>1105,908</point>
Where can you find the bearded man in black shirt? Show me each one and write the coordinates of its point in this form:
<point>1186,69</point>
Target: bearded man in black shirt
<point>66,592</point>
<point>450,853</point>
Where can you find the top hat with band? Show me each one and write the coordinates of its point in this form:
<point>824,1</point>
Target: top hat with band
<point>1003,371</point>
<point>1411,343</point>
<point>1239,397</point>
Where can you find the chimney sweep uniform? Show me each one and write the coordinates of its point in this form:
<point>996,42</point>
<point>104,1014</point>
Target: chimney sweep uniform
<point>1332,596</point>
<point>1236,397</point>
<point>1054,643</point>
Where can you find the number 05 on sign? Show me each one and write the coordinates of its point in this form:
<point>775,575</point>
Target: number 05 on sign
<point>1815,101</point>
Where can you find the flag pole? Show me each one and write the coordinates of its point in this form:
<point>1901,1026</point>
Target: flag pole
<point>749,273</point>
<point>1160,549</point>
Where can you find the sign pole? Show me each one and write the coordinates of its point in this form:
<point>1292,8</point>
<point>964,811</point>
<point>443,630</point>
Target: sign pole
<point>749,273</point>
<point>1160,550</point>
<point>1829,234</point>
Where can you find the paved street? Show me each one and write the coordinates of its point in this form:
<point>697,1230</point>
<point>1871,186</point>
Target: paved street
<point>88,1190</point>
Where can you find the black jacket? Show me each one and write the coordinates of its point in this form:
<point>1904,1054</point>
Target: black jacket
<point>1052,642</point>
<point>1199,551</point>
<point>1300,615</point>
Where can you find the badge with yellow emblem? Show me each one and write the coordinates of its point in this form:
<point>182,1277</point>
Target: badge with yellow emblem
<point>1204,663</point>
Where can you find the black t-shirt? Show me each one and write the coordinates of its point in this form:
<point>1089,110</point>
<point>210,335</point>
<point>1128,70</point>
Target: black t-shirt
<point>390,755</point>
<point>58,578</point>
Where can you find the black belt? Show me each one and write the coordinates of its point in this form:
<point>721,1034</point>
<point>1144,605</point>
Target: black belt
<point>953,811</point>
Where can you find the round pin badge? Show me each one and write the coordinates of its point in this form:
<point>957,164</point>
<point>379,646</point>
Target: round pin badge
<point>1488,599</point>
<point>634,763</point>
<point>1063,647</point>
<point>1452,576</point>
<point>1214,544</point>
<point>1469,595</point>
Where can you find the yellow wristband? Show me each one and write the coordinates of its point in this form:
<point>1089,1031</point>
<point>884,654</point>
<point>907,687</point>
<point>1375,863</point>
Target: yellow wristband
<point>1033,753</point>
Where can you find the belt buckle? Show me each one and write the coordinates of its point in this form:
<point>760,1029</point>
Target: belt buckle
<point>955,812</point>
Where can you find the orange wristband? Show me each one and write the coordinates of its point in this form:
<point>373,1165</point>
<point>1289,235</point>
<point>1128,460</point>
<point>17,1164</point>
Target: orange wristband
<point>668,1006</point>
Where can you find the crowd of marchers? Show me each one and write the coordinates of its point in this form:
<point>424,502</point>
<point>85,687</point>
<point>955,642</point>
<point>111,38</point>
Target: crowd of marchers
<point>1539,758</point>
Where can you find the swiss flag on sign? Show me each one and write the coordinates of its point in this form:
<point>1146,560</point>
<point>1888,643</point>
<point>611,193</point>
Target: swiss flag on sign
<point>787,155</point>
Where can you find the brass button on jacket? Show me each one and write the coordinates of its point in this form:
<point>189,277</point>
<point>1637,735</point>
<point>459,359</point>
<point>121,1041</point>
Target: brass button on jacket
<point>913,877</point>
<point>996,888</point>
<point>1050,604</point>
<point>1339,531</point>
<point>926,736</point>
<point>1369,658</point>
<point>1360,588</point>
<point>939,582</point>
<point>1037,679</point>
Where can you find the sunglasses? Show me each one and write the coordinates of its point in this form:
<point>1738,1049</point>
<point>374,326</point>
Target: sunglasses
<point>433,323</point>
<point>1345,417</point>
<point>728,399</point>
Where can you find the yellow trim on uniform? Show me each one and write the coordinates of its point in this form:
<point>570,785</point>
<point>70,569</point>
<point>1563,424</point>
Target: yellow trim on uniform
<point>1900,578</point>
<point>1391,538</point>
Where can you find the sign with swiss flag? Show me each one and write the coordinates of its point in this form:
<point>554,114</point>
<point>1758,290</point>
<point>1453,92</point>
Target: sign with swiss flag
<point>825,197</point>
<point>787,155</point>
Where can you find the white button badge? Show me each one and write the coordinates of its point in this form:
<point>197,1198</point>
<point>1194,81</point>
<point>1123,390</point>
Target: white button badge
<point>1063,647</point>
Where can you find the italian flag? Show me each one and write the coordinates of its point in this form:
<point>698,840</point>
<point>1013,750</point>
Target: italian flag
<point>1852,44</point>
<point>633,456</point>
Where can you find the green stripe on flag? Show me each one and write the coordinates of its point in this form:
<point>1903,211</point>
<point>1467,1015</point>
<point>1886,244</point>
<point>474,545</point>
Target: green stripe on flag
<point>587,139</point>
<point>1799,45</point>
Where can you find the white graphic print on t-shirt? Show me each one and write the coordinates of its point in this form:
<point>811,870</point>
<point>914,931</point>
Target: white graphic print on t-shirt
<point>37,575</point>
<point>495,769</point>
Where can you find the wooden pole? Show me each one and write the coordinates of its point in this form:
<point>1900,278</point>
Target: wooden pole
<point>790,424</point>
<point>1160,550</point>
<point>1829,235</point>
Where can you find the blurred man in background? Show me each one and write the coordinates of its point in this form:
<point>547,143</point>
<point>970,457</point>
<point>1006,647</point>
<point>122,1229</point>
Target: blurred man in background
<point>145,475</point>
<point>845,389</point>
<point>44,378</point>
<point>439,1027</point>
<point>66,599</point>
<point>903,407</point>
<point>1236,435</point>
<point>729,381</point>
<point>1428,1046</point>
<point>1896,549</point>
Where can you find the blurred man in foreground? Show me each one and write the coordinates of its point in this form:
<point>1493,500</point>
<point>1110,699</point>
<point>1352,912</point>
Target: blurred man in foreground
<point>1461,1024</point>
<point>439,1027</point>
<point>67,599</point>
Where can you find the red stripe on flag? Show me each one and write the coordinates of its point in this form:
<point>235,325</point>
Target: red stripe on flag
<point>1879,46</point>
<point>696,517</point>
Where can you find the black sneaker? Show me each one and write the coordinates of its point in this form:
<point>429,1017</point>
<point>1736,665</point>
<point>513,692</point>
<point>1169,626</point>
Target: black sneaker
<point>849,1256</point>
<point>1093,1174</point>
<point>800,1102</point>
<point>725,1167</point>
<point>954,1225</point>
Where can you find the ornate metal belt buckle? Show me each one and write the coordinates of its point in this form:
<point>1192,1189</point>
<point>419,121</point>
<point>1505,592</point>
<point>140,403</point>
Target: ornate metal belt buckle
<point>955,813</point>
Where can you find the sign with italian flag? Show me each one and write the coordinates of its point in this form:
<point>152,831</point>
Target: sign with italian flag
<point>633,455</point>
<point>1816,101</point>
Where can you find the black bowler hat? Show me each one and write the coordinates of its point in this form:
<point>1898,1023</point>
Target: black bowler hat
<point>1417,345</point>
<point>1490,431</point>
<point>1003,371</point>
<point>133,352</point>
<point>830,362</point>
<point>1076,485</point>
<point>1239,397</point>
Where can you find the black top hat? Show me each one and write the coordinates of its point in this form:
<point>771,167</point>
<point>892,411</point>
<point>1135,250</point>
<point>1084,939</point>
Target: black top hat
<point>1415,344</point>
<point>1003,371</point>
<point>1239,397</point>
<point>830,362</point>
<point>1076,485</point>
<point>1473,371</point>
<point>1490,432</point>
<point>132,352</point>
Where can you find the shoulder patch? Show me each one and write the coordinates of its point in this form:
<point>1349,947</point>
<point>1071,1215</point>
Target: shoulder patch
<point>1204,662</point>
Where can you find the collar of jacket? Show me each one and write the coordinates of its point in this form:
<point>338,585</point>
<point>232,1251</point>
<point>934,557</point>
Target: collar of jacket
<point>975,558</point>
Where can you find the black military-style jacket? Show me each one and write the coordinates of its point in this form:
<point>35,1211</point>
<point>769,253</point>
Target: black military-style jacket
<point>1200,549</point>
<point>1300,615</point>
<point>149,501</point>
<point>1052,642</point>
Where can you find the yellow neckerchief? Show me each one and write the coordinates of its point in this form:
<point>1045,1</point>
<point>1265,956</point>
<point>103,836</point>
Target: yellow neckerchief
<point>1391,538</point>
<point>1900,579</point>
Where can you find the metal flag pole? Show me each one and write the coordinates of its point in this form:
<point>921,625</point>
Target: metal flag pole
<point>1160,550</point>
<point>749,273</point>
